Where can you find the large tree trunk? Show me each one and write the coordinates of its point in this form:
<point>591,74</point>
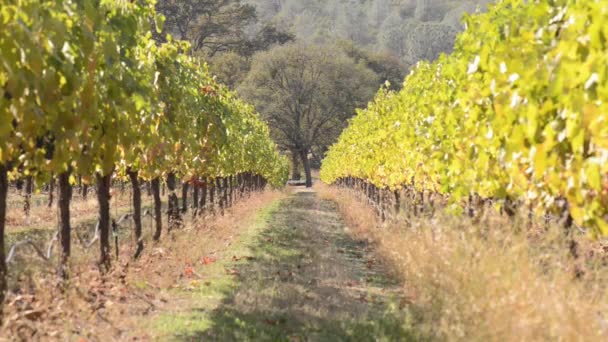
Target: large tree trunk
<point>63,205</point>
<point>3,197</point>
<point>133,176</point>
<point>295,163</point>
<point>307,171</point>
<point>103,197</point>
<point>85,191</point>
<point>158,213</point>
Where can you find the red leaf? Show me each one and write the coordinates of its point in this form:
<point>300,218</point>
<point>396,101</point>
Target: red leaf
<point>207,260</point>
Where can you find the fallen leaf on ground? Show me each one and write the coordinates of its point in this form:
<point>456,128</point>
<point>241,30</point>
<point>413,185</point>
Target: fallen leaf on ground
<point>207,260</point>
<point>188,271</point>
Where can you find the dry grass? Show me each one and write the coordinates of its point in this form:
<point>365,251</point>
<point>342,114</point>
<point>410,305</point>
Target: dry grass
<point>43,217</point>
<point>484,281</point>
<point>95,307</point>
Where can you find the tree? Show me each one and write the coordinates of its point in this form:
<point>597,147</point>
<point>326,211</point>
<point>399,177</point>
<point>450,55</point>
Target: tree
<point>217,26</point>
<point>306,93</point>
<point>387,66</point>
<point>230,68</point>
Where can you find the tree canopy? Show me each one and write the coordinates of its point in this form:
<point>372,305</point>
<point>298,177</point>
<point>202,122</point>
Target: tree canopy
<point>307,93</point>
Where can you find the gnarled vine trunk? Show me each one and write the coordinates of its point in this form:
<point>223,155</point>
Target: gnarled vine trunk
<point>211,195</point>
<point>185,188</point>
<point>65,229</point>
<point>51,191</point>
<point>103,197</point>
<point>29,188</point>
<point>195,201</point>
<point>158,213</point>
<point>220,197</point>
<point>174,214</point>
<point>3,198</point>
<point>134,177</point>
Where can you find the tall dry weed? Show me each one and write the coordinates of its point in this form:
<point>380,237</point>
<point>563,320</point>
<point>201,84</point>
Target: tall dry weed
<point>492,280</point>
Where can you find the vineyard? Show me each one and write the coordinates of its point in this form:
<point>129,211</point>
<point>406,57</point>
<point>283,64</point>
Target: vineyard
<point>514,118</point>
<point>87,94</point>
<point>142,199</point>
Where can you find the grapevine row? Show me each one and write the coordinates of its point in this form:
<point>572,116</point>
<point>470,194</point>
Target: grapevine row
<point>518,113</point>
<point>85,91</point>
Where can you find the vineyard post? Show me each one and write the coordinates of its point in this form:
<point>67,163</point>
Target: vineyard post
<point>63,206</point>
<point>158,213</point>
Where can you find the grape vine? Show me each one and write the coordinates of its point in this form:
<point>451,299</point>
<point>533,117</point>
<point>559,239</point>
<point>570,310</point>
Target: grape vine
<point>516,113</point>
<point>86,91</point>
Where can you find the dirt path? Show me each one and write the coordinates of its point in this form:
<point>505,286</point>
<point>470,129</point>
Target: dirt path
<point>298,277</point>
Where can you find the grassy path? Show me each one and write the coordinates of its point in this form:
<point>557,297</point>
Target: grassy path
<point>294,275</point>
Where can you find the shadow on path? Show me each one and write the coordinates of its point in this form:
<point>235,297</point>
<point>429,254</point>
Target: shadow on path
<point>306,279</point>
